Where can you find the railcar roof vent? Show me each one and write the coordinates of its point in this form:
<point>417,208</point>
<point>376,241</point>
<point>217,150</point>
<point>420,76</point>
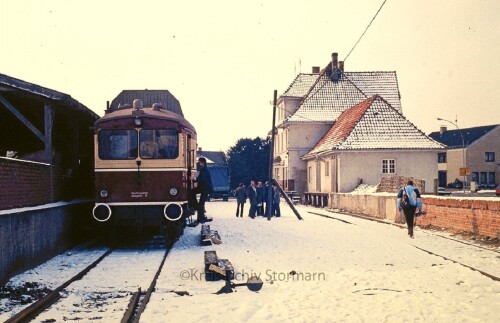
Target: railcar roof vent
<point>158,107</point>
<point>123,106</point>
<point>138,105</point>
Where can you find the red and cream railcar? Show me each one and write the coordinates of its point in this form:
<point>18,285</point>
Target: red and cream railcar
<point>144,162</point>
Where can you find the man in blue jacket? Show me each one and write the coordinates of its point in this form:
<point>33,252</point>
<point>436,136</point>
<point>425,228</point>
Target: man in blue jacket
<point>408,201</point>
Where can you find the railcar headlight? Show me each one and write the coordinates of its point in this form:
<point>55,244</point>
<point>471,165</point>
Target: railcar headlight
<point>104,193</point>
<point>173,191</point>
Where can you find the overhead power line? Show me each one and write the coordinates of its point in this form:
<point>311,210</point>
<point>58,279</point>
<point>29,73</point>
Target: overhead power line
<point>383,3</point>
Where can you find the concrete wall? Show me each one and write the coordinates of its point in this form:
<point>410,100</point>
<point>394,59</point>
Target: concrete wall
<point>31,236</point>
<point>476,215</point>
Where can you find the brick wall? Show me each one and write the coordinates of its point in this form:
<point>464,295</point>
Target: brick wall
<point>26,183</point>
<point>477,215</point>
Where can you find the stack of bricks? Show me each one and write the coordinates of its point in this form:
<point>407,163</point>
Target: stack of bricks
<point>392,184</point>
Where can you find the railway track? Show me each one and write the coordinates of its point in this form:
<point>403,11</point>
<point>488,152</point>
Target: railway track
<point>45,302</point>
<point>136,305</point>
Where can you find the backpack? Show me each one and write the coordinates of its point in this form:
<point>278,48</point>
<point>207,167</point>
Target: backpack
<point>405,200</point>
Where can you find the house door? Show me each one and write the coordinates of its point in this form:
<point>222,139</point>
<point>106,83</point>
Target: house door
<point>318,176</point>
<point>442,178</point>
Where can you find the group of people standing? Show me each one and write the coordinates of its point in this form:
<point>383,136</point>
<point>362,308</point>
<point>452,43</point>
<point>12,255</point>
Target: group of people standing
<point>264,200</point>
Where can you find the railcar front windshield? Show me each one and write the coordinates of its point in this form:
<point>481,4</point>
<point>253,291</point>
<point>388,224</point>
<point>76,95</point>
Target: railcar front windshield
<point>159,144</point>
<point>117,144</point>
<point>147,143</point>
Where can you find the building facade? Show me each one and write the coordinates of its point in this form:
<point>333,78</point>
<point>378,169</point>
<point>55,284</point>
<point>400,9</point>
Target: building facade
<point>480,153</point>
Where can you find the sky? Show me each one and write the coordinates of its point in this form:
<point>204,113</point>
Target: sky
<point>223,59</point>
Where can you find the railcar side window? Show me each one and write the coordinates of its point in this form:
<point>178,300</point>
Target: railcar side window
<point>117,144</point>
<point>159,144</point>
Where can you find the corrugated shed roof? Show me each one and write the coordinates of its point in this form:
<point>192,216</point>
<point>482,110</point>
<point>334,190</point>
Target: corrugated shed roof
<point>38,90</point>
<point>453,139</point>
<point>373,124</point>
<point>148,97</point>
<point>327,99</point>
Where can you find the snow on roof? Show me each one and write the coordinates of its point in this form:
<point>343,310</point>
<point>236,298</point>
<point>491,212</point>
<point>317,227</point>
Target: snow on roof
<point>217,157</point>
<point>373,124</point>
<point>327,99</point>
<point>301,85</point>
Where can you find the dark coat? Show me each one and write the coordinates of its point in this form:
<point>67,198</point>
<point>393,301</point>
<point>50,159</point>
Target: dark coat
<point>252,195</point>
<point>241,195</point>
<point>204,181</point>
<point>276,196</point>
<point>260,194</point>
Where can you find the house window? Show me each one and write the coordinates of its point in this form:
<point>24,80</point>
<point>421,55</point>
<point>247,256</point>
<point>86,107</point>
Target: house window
<point>309,174</point>
<point>441,157</point>
<point>483,178</point>
<point>388,166</point>
<point>327,168</point>
<point>475,177</point>
<point>491,178</point>
<point>489,156</point>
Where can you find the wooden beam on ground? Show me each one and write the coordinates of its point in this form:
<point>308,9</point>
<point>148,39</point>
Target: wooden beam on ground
<point>287,199</point>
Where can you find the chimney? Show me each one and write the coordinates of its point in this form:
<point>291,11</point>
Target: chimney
<point>341,66</point>
<point>335,61</point>
<point>442,130</point>
<point>315,70</point>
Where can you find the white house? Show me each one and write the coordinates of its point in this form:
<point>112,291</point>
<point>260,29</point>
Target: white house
<point>311,105</point>
<point>368,141</point>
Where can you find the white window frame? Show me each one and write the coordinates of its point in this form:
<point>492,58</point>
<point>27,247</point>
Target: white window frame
<point>388,166</point>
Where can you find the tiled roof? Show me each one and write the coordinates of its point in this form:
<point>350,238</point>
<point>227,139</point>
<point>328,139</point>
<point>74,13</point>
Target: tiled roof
<point>384,84</point>
<point>373,124</point>
<point>327,99</point>
<point>453,139</point>
<point>301,85</point>
<point>148,97</point>
<point>218,157</point>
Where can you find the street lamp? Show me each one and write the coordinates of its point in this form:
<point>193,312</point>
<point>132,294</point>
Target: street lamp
<point>464,165</point>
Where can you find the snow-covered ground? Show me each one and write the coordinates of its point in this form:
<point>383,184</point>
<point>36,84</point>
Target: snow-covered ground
<point>318,269</point>
<point>357,271</point>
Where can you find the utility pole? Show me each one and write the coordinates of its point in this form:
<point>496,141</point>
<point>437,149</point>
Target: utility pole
<point>273,130</point>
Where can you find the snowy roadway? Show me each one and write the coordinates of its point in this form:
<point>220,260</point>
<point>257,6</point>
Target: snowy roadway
<point>357,271</point>
<point>318,269</point>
